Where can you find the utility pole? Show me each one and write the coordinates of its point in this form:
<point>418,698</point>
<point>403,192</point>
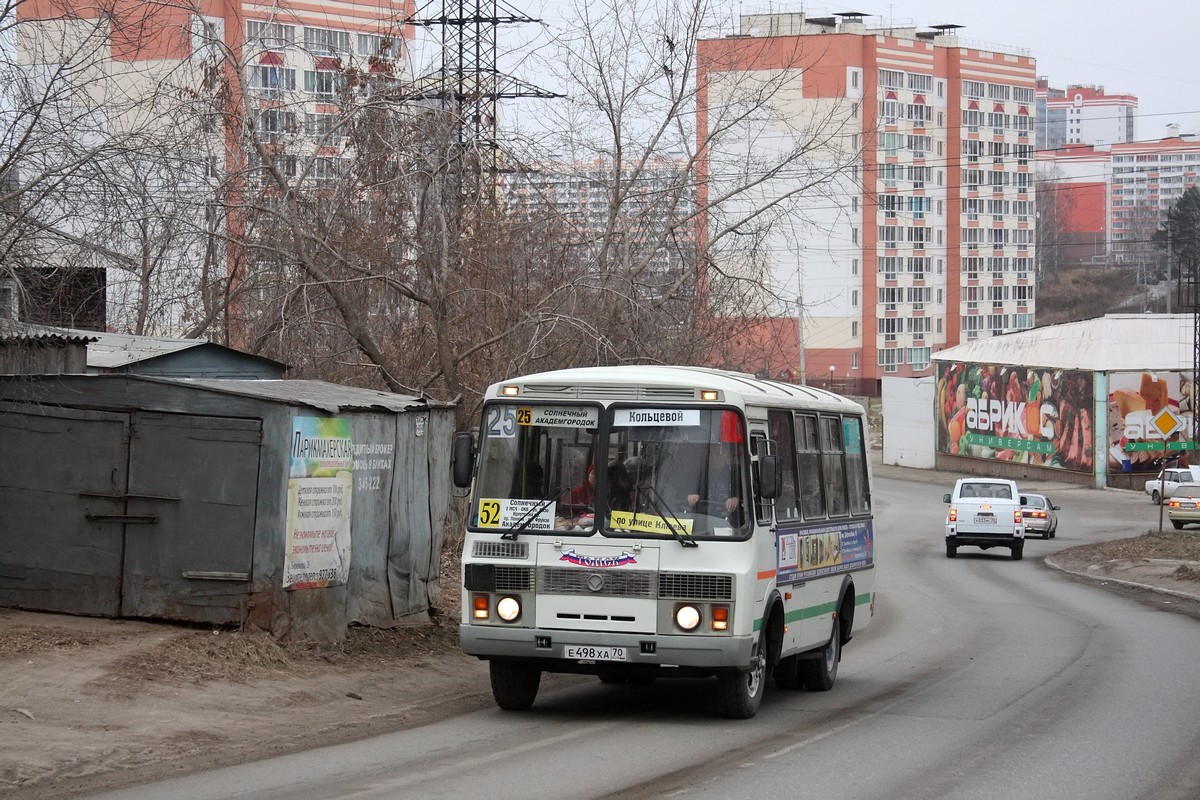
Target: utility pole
<point>1169,284</point>
<point>800,320</point>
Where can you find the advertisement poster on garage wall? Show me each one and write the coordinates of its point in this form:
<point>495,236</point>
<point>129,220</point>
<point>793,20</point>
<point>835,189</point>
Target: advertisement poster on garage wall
<point>1135,444</point>
<point>320,483</point>
<point>1022,415</point>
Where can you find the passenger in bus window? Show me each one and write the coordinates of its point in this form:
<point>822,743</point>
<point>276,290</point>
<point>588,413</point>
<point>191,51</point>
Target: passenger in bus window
<point>620,488</point>
<point>717,493</point>
<point>583,495</point>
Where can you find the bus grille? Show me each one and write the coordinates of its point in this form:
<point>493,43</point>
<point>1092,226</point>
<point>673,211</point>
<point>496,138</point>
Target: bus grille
<point>514,579</point>
<point>518,550</point>
<point>632,583</point>
<point>693,586</point>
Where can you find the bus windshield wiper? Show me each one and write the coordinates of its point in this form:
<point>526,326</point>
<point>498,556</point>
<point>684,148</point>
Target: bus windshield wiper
<point>666,513</point>
<point>522,524</point>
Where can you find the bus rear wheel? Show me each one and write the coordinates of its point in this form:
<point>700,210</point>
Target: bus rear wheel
<point>514,684</point>
<point>820,673</point>
<point>742,690</point>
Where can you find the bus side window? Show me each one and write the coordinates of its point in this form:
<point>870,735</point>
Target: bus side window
<point>780,427</point>
<point>832,466</point>
<point>808,465</point>
<point>856,466</point>
<point>762,508</point>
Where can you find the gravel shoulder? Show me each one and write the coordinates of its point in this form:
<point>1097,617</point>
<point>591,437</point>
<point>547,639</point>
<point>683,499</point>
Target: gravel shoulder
<point>90,704</point>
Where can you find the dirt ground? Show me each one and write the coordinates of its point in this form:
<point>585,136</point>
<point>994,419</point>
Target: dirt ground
<point>94,704</point>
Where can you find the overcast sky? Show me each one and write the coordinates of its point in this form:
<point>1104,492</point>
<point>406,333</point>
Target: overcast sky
<point>1150,48</point>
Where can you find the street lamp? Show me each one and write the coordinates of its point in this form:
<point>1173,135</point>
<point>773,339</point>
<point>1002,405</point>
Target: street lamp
<point>831,377</point>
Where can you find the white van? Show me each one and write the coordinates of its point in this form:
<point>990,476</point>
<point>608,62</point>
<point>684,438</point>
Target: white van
<point>1164,485</point>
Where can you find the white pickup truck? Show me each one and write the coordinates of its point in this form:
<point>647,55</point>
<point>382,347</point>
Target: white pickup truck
<point>985,512</point>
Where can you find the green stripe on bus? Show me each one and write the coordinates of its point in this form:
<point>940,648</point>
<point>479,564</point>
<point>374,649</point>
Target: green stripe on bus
<point>817,611</point>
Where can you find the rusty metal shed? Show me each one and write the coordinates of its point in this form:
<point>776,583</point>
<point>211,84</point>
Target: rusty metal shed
<point>299,507</point>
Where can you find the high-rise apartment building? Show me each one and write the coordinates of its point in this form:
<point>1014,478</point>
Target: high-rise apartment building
<point>223,82</point>
<point>1102,204</point>
<point>1083,114</point>
<point>651,225</point>
<point>925,238</point>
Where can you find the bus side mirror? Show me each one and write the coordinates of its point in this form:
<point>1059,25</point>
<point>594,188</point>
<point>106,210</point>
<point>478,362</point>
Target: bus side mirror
<point>946,497</point>
<point>769,477</point>
<point>463,459</point>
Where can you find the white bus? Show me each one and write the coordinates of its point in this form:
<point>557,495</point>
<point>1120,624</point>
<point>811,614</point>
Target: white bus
<point>640,522</point>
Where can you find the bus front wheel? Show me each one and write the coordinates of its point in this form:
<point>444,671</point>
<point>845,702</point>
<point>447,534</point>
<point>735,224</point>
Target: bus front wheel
<point>514,684</point>
<point>742,690</point>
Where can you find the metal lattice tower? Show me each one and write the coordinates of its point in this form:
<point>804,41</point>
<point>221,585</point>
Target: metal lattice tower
<point>1188,296</point>
<point>469,84</point>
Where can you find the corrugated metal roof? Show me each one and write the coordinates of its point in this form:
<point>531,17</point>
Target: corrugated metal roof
<point>330,397</point>
<point>14,331</point>
<point>1112,343</point>
<point>114,350</point>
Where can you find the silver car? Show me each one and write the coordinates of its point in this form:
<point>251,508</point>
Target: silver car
<point>1039,515</point>
<point>1184,505</point>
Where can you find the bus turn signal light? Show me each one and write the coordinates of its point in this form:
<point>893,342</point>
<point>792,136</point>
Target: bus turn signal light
<point>480,606</point>
<point>720,618</point>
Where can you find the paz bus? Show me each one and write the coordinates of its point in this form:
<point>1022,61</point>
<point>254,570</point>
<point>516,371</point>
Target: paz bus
<point>643,522</point>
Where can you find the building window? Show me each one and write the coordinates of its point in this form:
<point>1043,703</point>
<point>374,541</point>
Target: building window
<point>920,83</point>
<point>891,79</point>
<point>889,327</point>
<point>371,44</point>
<point>973,89</point>
<point>272,81</point>
<point>324,41</point>
<point>269,35</point>
<point>918,357</point>
<point>890,359</point>
<point>323,84</point>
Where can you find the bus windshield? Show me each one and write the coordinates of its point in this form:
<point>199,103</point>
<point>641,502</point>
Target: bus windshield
<point>671,472</point>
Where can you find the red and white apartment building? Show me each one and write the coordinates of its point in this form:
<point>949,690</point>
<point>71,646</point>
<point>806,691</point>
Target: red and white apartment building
<point>1111,198</point>
<point>1083,114</point>
<point>281,63</point>
<point>929,240</point>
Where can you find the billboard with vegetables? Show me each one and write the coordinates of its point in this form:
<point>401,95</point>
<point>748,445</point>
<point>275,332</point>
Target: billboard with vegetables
<point>1023,415</point>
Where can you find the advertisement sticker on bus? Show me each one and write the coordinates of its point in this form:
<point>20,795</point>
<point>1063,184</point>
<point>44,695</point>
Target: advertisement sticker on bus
<point>825,550</point>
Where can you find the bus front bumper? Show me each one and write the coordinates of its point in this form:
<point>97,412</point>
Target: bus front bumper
<point>548,646</point>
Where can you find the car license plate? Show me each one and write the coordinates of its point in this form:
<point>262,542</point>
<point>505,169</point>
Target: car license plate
<point>585,653</point>
<point>985,520</point>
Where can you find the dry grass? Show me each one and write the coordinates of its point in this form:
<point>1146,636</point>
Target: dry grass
<point>1170,545</point>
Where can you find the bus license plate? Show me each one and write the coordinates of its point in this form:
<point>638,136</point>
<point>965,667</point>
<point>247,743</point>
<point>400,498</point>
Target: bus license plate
<point>595,653</point>
<point>985,520</point>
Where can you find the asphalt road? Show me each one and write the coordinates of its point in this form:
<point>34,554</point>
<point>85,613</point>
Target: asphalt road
<point>981,677</point>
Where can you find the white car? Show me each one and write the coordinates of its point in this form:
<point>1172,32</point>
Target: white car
<point>1162,487</point>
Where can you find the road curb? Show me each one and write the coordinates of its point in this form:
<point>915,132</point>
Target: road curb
<point>1134,584</point>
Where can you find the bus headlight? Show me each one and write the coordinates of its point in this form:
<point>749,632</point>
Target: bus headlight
<point>508,609</point>
<point>687,617</point>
